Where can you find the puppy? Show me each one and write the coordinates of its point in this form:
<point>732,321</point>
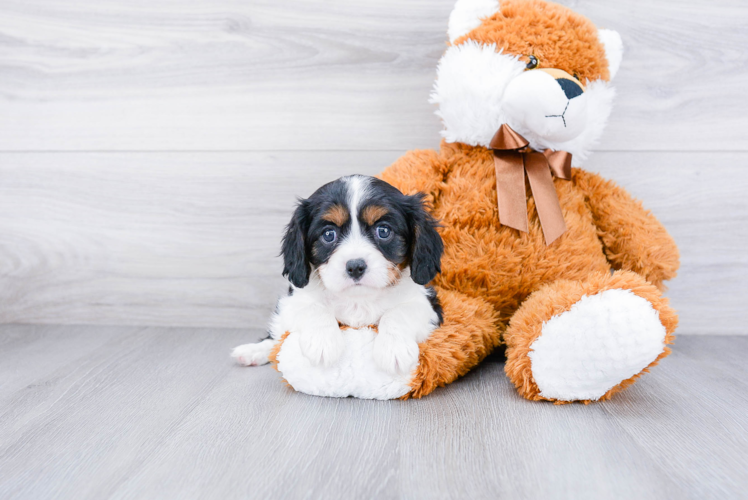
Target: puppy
<point>357,253</point>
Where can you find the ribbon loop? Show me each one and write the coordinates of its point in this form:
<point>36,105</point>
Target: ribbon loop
<point>512,159</point>
<point>506,139</point>
<point>560,163</point>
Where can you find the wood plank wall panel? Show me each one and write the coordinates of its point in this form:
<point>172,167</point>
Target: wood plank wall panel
<point>700,198</point>
<point>192,239</point>
<point>303,74</point>
<point>152,238</point>
<point>150,152</point>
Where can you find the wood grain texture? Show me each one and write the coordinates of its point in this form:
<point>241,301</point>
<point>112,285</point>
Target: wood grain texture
<point>179,239</point>
<point>221,112</point>
<point>310,75</point>
<point>193,239</point>
<point>105,412</point>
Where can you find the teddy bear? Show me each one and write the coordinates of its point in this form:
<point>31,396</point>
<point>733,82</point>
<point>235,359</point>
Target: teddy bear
<point>560,266</point>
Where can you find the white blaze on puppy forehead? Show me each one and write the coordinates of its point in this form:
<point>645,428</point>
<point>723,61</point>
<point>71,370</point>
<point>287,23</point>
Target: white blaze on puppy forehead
<point>357,191</point>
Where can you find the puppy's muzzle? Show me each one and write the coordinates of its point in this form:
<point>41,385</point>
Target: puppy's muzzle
<point>355,268</point>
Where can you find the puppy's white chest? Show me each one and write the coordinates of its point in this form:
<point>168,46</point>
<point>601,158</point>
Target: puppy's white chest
<point>357,312</point>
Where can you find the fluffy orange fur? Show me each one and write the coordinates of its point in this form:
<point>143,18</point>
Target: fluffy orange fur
<point>524,281</point>
<point>273,356</point>
<point>557,36</point>
<point>463,340</point>
<point>558,297</point>
<point>483,260</point>
<point>499,285</point>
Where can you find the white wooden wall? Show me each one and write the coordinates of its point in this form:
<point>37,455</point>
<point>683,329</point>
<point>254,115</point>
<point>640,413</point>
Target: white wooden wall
<point>150,151</point>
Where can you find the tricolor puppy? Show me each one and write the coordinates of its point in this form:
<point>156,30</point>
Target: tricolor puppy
<point>358,253</point>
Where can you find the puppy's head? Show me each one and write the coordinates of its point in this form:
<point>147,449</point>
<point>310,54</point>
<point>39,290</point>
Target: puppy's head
<point>361,233</point>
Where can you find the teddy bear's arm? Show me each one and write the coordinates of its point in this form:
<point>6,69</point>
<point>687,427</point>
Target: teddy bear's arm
<point>633,238</point>
<point>417,171</point>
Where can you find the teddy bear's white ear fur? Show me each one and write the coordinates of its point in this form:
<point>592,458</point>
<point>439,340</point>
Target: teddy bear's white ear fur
<point>467,15</point>
<point>613,49</point>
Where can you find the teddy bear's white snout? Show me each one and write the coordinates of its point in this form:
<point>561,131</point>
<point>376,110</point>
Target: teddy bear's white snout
<point>550,104</point>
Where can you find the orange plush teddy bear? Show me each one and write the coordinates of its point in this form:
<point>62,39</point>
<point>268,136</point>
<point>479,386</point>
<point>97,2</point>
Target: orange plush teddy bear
<point>559,264</point>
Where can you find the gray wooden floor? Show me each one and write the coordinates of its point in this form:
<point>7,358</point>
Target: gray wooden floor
<point>127,412</point>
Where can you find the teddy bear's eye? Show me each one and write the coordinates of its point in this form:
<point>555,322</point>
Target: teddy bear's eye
<point>575,75</point>
<point>532,62</point>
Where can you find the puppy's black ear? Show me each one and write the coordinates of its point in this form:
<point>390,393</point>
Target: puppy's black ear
<point>427,246</point>
<point>293,249</point>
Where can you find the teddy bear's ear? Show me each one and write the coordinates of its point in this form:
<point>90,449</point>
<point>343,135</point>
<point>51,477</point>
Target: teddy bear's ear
<point>613,49</point>
<point>468,14</point>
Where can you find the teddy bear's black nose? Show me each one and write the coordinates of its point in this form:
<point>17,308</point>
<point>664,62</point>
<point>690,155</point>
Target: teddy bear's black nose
<point>570,88</point>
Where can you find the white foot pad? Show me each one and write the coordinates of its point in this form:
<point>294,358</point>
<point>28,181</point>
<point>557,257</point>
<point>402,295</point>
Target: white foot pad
<point>253,354</point>
<point>601,341</point>
<point>354,373</point>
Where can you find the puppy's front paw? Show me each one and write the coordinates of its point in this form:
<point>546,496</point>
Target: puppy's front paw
<point>253,354</point>
<point>395,354</point>
<point>322,346</point>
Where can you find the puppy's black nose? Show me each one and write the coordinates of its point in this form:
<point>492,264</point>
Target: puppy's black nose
<point>355,268</point>
<point>570,88</point>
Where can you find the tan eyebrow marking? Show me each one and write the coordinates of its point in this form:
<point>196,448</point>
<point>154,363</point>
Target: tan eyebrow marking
<point>373,213</point>
<point>337,214</point>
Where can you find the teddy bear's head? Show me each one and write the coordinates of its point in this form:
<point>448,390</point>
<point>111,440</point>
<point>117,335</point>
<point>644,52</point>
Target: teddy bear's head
<point>536,66</point>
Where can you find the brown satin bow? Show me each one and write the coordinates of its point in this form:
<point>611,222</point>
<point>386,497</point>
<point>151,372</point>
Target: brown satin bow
<point>513,158</point>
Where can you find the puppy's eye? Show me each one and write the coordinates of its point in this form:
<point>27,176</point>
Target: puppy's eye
<point>532,62</point>
<point>384,232</point>
<point>329,235</point>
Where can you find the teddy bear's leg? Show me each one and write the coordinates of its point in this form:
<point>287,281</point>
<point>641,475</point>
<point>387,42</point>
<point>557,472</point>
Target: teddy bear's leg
<point>586,340</point>
<point>469,333</point>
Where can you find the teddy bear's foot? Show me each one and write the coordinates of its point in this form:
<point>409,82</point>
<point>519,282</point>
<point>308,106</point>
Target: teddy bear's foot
<point>603,340</point>
<point>583,341</point>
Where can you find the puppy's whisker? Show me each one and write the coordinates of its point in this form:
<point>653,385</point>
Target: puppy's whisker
<point>394,274</point>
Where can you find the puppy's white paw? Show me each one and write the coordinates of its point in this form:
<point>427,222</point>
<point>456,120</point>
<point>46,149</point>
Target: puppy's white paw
<point>322,346</point>
<point>253,354</point>
<point>395,354</point>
